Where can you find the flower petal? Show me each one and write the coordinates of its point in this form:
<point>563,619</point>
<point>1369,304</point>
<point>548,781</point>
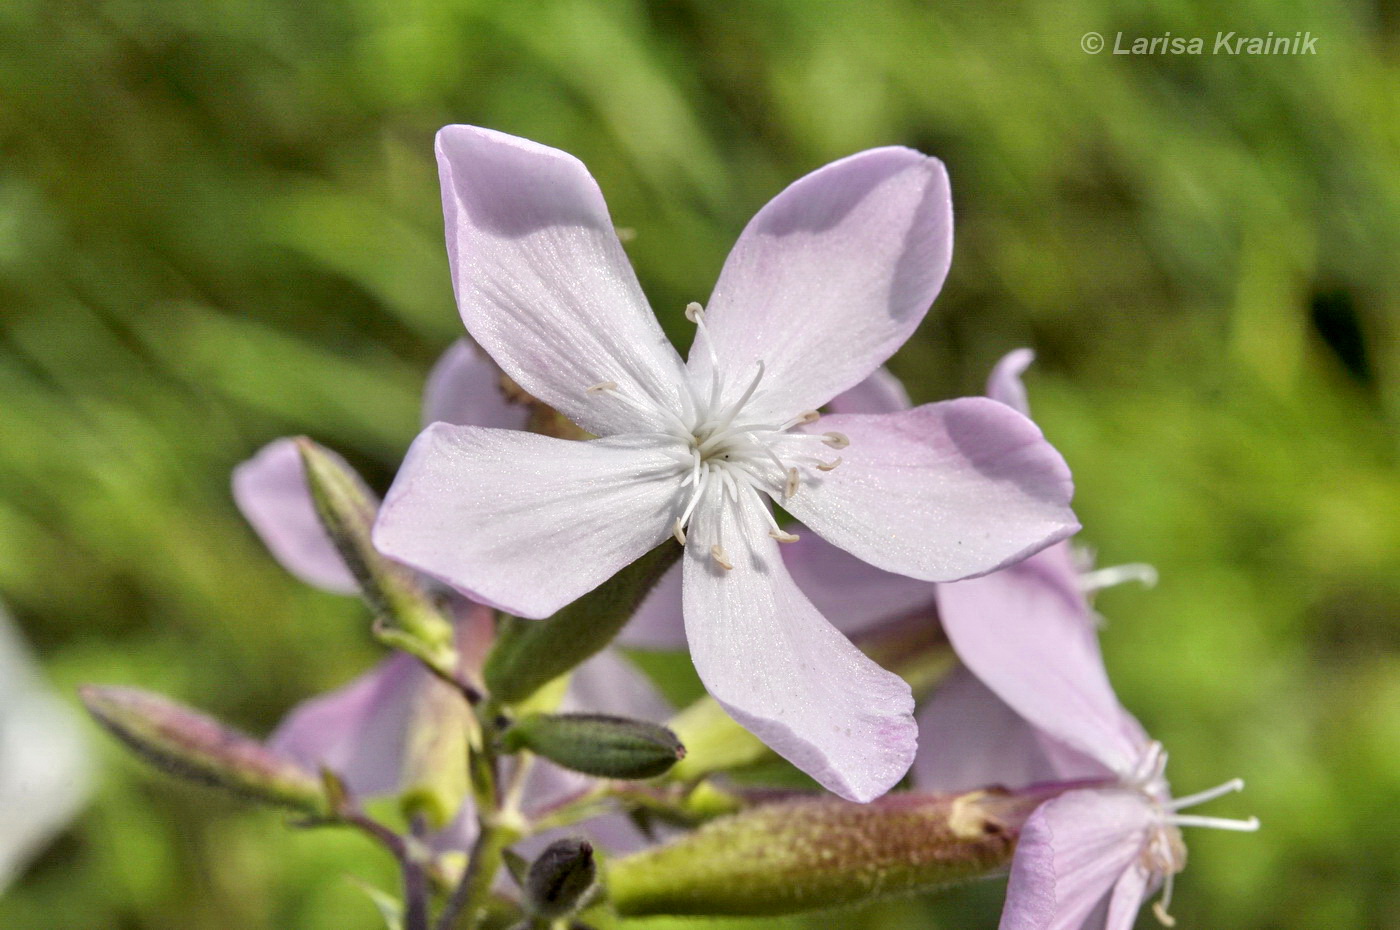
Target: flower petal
<point>940,492</point>
<point>523,522</point>
<point>1004,383</point>
<point>1026,632</point>
<point>969,738</point>
<point>854,595</point>
<point>45,768</point>
<point>1072,851</point>
<point>829,279</point>
<point>543,284</point>
<point>270,490</point>
<point>359,730</point>
<point>609,684</point>
<point>882,392</point>
<point>464,388</point>
<point>779,668</point>
<point>1126,900</point>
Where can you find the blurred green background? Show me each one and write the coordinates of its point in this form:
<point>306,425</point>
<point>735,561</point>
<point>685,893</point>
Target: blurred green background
<point>219,224</point>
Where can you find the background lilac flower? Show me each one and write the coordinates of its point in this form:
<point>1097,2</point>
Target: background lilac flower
<point>823,285</point>
<point>362,731</point>
<point>1034,704</point>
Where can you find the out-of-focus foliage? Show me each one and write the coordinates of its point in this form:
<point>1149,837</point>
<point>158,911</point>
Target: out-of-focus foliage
<point>219,224</point>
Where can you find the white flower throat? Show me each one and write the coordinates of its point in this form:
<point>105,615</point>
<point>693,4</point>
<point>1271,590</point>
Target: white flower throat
<point>722,453</point>
<point>1164,854</point>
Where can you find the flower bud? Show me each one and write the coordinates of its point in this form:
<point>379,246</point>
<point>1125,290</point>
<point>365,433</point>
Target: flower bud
<point>406,616</point>
<point>530,653</point>
<point>561,880</point>
<point>190,745</point>
<point>815,853</point>
<point>606,747</point>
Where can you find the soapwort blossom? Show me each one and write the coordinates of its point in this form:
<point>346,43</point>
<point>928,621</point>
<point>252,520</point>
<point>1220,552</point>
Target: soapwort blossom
<point>824,284</point>
<point>1033,705</point>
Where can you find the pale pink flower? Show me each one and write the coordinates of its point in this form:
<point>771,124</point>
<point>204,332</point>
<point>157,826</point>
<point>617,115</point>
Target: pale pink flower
<point>1034,704</point>
<point>823,285</point>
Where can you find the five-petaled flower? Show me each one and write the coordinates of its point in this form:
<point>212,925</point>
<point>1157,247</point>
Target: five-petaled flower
<point>1034,704</point>
<point>823,285</point>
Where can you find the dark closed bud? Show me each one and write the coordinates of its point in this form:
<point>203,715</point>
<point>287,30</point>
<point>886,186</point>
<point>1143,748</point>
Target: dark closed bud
<point>406,617</point>
<point>188,744</point>
<point>561,880</point>
<point>607,747</point>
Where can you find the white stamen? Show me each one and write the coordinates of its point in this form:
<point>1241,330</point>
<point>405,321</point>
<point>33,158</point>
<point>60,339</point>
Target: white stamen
<point>1215,823</point>
<point>602,386</point>
<point>1090,582</point>
<point>829,466</point>
<point>1201,797</point>
<point>721,558</point>
<point>836,440</point>
<point>694,312</point>
<point>774,529</point>
<point>793,483</point>
<point>678,531</point>
<point>695,496</point>
<point>802,419</point>
<point>738,405</point>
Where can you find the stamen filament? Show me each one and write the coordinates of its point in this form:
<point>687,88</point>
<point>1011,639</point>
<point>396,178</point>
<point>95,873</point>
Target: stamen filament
<point>1089,582</point>
<point>696,314</point>
<point>1201,797</point>
<point>1215,823</point>
<point>774,530</point>
<point>738,405</point>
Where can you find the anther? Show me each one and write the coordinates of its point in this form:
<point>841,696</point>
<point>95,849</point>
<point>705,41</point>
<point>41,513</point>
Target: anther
<point>678,531</point>
<point>828,466</point>
<point>602,386</point>
<point>1160,912</point>
<point>793,483</point>
<point>808,416</point>
<point>721,558</point>
<point>782,537</point>
<point>694,312</point>
<point>836,440</point>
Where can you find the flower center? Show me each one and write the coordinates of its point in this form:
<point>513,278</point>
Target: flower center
<point>1165,854</point>
<point>724,449</point>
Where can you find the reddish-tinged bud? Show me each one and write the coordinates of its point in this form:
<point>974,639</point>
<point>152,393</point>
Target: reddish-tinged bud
<point>818,853</point>
<point>188,744</point>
